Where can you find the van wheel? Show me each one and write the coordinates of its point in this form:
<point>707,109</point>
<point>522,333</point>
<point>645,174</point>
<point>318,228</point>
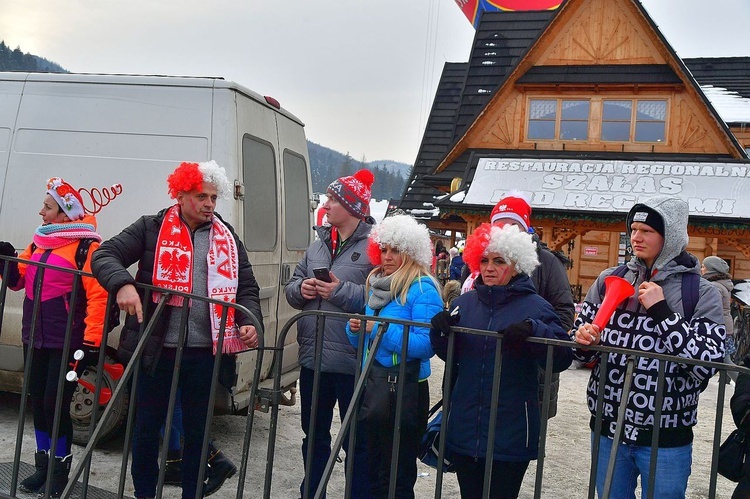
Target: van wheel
<point>82,407</point>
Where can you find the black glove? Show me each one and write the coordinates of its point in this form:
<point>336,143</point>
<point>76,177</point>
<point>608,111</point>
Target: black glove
<point>442,321</point>
<point>7,249</point>
<point>514,337</point>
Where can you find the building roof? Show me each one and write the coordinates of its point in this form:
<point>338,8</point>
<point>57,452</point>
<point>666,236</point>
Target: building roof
<point>438,135</point>
<point>501,42</point>
<point>464,90</point>
<point>726,83</point>
<point>601,74</point>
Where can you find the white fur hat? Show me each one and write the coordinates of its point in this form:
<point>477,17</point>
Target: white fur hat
<point>508,241</point>
<point>405,234</point>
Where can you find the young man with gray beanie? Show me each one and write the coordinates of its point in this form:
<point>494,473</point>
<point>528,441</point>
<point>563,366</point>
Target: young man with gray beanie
<point>716,271</point>
<point>654,320</point>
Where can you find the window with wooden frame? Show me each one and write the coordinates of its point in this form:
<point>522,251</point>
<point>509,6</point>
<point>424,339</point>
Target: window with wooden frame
<point>634,120</point>
<point>558,119</point>
<point>623,120</point>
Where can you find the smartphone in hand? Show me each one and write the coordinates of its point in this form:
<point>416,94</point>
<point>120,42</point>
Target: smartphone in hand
<point>322,274</point>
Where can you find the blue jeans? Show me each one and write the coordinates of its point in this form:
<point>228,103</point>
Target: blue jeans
<point>333,387</point>
<point>672,470</point>
<point>152,397</point>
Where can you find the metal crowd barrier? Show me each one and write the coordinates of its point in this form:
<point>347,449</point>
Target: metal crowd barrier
<point>349,424</point>
<point>130,375</point>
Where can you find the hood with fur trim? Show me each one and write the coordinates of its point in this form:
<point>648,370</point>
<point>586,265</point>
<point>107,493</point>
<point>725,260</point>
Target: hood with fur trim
<point>674,212</point>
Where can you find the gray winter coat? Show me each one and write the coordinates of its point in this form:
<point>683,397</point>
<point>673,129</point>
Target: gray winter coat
<point>351,266</point>
<point>723,284</point>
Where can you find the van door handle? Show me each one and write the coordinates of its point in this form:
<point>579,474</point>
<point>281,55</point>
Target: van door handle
<point>286,273</point>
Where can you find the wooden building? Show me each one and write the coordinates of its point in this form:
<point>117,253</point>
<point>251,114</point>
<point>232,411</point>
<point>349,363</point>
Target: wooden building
<point>588,109</point>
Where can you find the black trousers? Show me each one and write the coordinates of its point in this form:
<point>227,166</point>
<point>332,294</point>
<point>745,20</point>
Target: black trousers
<point>506,480</point>
<point>43,380</point>
<point>380,448</point>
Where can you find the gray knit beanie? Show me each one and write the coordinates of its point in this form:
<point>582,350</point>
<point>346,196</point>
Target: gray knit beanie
<point>715,264</point>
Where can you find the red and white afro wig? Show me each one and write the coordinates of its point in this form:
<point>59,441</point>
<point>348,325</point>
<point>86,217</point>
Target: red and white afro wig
<point>406,235</point>
<point>514,246</point>
<point>190,177</point>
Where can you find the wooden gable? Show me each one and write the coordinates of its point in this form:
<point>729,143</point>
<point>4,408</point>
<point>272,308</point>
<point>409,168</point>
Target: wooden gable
<point>589,34</point>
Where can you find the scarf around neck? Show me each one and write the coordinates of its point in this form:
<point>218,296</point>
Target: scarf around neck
<point>380,291</point>
<point>173,270</point>
<point>52,236</point>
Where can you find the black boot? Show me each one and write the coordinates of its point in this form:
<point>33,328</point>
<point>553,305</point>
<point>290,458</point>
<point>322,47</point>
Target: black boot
<point>36,480</point>
<point>59,476</point>
<point>173,469</point>
<point>218,469</point>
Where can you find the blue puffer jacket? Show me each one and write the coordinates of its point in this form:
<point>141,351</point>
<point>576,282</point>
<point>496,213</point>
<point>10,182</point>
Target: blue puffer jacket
<point>422,302</point>
<point>494,308</point>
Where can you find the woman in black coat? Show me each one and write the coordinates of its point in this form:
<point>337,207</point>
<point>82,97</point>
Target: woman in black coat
<point>740,405</point>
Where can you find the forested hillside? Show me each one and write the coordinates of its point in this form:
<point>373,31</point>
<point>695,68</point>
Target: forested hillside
<point>327,165</point>
<point>17,60</point>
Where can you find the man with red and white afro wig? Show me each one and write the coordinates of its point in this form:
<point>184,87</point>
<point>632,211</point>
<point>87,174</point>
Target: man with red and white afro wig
<point>190,177</point>
<point>514,246</point>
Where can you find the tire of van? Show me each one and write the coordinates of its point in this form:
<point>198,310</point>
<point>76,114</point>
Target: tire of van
<point>82,406</point>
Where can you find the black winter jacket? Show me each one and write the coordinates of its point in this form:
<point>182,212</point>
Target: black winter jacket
<point>137,243</point>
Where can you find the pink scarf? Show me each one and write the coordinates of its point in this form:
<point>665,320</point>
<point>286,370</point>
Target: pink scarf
<point>53,236</point>
<point>173,270</point>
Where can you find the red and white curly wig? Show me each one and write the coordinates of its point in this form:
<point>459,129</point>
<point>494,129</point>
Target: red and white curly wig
<point>510,242</point>
<point>190,177</point>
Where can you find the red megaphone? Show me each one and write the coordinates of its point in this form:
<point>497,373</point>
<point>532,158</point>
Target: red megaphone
<point>616,289</point>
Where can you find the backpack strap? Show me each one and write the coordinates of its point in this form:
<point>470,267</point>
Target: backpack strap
<point>690,289</point>
<point>619,271</point>
<point>83,252</point>
<point>690,293</point>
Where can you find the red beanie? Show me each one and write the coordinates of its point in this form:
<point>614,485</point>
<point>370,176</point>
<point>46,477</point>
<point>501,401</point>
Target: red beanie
<point>354,192</point>
<point>514,207</point>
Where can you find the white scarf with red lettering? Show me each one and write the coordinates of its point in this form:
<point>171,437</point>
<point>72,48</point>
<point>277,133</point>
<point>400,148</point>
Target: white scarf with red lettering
<point>173,270</point>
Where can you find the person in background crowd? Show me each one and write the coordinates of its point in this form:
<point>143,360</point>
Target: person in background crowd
<point>655,320</point>
<point>550,278</point>
<point>740,405</point>
<point>442,267</point>
<point>192,238</point>
<point>56,242</point>
<point>504,300</point>
<point>716,271</point>
<point>401,287</point>
<point>341,248</point>
<point>457,264</point>
<point>451,290</point>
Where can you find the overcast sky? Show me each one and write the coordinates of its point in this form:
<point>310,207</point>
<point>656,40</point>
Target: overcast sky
<point>360,75</point>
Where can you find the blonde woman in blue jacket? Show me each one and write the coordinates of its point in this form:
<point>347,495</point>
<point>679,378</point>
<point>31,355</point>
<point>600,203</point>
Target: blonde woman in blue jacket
<point>401,287</point>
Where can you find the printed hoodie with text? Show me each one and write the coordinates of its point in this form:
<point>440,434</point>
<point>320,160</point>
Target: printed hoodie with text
<point>662,329</point>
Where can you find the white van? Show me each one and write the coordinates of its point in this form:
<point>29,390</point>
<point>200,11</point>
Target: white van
<point>98,131</point>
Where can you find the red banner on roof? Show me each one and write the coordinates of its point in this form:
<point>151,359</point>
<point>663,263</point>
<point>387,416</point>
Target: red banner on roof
<point>473,9</point>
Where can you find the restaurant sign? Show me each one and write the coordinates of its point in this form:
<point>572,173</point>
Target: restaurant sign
<point>711,189</point>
